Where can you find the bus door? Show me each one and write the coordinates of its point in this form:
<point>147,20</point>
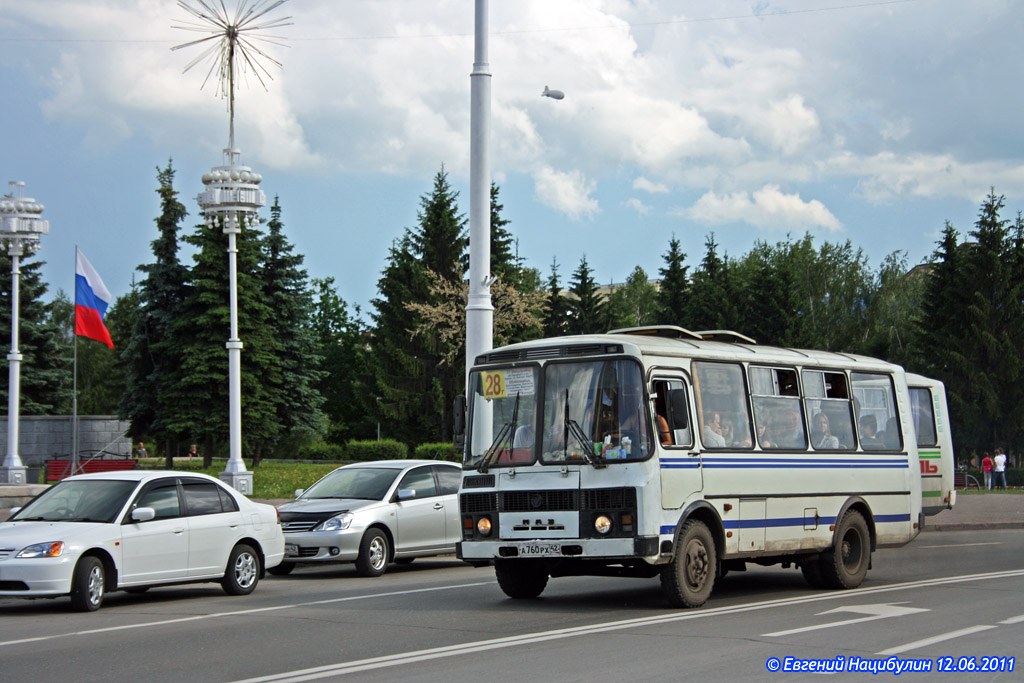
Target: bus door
<point>934,445</point>
<point>679,459</point>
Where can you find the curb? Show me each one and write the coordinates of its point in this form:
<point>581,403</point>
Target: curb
<point>972,526</point>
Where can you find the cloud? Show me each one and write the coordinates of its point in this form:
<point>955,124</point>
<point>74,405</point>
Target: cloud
<point>569,192</point>
<point>646,185</point>
<point>638,206</point>
<point>767,208</point>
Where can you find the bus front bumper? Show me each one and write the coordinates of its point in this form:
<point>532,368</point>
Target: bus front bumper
<point>645,547</point>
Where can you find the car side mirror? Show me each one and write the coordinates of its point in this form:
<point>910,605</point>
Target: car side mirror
<point>299,492</point>
<point>679,410</point>
<point>406,494</point>
<point>143,514</point>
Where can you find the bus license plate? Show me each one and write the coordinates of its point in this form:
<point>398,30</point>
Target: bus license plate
<point>291,550</point>
<point>541,549</point>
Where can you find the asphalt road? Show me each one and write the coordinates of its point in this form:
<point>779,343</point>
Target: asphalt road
<point>956,594</point>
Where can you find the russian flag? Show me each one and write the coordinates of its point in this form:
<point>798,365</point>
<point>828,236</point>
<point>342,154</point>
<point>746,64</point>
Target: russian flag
<point>91,301</point>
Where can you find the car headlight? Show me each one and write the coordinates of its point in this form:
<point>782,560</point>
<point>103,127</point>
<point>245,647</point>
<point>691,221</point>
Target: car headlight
<point>50,549</point>
<point>338,523</point>
<point>602,524</point>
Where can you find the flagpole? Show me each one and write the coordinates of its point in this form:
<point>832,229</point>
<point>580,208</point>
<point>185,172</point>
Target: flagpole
<point>74,383</point>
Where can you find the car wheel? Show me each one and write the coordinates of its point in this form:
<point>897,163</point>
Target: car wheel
<point>243,571</point>
<point>283,569</point>
<point>687,580</point>
<point>87,584</point>
<point>373,553</point>
<point>846,564</point>
<point>521,579</point>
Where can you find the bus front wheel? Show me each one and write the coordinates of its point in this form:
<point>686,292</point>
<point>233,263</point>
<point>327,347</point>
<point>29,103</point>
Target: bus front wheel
<point>846,564</point>
<point>687,580</point>
<point>521,579</point>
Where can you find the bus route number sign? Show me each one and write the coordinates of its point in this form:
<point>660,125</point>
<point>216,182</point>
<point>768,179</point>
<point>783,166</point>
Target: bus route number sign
<point>504,383</point>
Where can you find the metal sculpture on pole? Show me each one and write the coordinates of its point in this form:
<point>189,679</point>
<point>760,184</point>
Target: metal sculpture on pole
<point>233,198</point>
<point>20,228</point>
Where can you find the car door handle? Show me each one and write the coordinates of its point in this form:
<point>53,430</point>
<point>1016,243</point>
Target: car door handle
<point>438,506</point>
<point>179,531</point>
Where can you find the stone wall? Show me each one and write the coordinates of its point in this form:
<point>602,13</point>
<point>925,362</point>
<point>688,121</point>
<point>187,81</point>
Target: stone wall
<point>43,437</point>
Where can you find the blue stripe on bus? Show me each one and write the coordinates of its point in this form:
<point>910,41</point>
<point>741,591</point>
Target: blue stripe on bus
<point>790,522</point>
<point>779,463</point>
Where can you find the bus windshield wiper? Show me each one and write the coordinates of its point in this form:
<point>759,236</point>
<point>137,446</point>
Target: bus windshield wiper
<point>507,431</point>
<point>573,427</point>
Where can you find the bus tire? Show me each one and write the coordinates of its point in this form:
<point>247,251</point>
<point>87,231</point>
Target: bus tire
<point>521,579</point>
<point>846,564</point>
<point>687,581</point>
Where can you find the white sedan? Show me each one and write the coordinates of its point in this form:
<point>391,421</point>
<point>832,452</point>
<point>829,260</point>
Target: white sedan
<point>94,533</point>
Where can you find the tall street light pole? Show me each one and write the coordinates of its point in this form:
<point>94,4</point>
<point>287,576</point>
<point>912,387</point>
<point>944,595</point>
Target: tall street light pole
<point>20,228</point>
<point>479,310</point>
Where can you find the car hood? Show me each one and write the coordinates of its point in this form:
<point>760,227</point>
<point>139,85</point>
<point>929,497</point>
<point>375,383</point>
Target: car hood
<point>21,534</point>
<point>326,505</point>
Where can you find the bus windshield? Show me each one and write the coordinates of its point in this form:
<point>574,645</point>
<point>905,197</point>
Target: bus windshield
<point>502,417</point>
<point>592,412</point>
<point>594,409</point>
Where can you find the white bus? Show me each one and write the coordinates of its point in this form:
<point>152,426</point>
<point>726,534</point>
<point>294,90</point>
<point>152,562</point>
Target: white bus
<point>661,452</point>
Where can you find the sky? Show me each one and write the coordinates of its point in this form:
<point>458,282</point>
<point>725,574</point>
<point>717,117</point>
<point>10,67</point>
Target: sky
<point>873,121</point>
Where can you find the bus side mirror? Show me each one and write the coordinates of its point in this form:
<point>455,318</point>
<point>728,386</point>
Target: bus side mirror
<point>678,409</point>
<point>459,421</point>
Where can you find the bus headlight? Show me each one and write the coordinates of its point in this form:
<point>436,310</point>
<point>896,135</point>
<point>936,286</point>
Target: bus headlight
<point>483,526</point>
<point>602,524</point>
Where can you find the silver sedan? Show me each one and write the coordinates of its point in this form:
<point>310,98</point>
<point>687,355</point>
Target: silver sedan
<point>374,513</point>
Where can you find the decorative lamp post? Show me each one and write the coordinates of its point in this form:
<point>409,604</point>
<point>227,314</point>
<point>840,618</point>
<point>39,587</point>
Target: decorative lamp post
<point>20,227</point>
<point>233,198</point>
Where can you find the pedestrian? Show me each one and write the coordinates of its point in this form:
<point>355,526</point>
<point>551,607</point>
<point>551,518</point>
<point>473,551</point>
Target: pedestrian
<point>999,467</point>
<point>192,453</point>
<point>986,469</point>
<point>140,452</point>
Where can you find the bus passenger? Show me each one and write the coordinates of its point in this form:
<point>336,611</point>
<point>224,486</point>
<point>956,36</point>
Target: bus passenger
<point>712,433</point>
<point>821,436</point>
<point>869,433</point>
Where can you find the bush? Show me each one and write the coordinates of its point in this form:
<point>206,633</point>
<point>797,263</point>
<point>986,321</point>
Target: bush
<point>319,451</point>
<point>437,451</point>
<point>388,449</point>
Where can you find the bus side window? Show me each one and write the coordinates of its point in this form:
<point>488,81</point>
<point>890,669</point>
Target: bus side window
<point>671,410</point>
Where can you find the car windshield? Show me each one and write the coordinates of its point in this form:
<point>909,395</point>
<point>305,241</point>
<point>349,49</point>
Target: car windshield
<point>89,500</point>
<point>367,483</point>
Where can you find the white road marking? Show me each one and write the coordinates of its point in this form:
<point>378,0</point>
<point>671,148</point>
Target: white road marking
<point>959,545</point>
<point>1013,620</point>
<point>917,644</point>
<point>883,611</point>
<point>401,658</point>
<point>239,613</point>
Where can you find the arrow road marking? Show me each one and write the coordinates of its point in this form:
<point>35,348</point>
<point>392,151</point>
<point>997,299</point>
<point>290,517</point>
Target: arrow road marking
<point>879,611</point>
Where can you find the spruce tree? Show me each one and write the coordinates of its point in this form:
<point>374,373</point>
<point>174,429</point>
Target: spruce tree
<point>286,291</point>
<point>556,309</point>
<point>151,355</point>
<point>674,292</point>
<point>586,309</point>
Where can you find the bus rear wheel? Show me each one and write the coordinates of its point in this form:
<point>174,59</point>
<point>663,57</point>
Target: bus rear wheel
<point>846,564</point>
<point>521,579</point>
<point>687,581</point>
